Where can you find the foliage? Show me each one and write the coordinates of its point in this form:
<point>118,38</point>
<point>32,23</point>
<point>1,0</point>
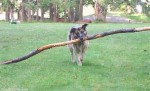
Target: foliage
<point>63,7</point>
<point>6,3</point>
<point>44,3</point>
<point>123,5</point>
<point>104,2</point>
<point>30,5</point>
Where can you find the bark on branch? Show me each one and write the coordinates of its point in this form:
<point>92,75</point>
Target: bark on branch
<point>103,34</point>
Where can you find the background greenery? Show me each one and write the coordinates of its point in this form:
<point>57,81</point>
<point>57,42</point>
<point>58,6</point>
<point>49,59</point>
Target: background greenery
<point>114,63</point>
<point>69,10</point>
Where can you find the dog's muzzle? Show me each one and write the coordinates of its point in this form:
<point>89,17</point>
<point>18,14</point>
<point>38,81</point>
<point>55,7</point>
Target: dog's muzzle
<point>81,37</point>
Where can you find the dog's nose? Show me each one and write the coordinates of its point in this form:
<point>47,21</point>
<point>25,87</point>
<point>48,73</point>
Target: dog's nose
<point>81,36</point>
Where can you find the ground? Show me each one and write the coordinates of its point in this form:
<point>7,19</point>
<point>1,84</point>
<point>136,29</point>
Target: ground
<point>114,63</point>
<point>118,19</point>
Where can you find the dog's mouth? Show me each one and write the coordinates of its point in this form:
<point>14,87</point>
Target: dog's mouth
<point>81,38</point>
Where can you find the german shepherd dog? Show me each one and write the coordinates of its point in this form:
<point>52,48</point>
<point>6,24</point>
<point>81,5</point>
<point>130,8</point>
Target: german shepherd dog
<point>77,50</point>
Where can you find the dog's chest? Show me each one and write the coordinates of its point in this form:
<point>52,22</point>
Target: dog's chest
<point>80,47</point>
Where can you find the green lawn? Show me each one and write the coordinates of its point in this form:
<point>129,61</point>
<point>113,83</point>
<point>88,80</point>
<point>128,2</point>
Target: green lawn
<point>139,18</point>
<point>114,63</point>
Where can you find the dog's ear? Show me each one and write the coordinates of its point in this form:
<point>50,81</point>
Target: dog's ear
<point>71,33</point>
<point>84,26</point>
<point>72,30</point>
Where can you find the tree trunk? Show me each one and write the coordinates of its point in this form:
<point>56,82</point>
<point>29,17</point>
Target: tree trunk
<point>12,6</point>
<point>71,14</point>
<point>81,10</point>
<point>65,18</point>
<point>37,14</point>
<point>37,11</point>
<point>32,15</point>
<point>54,13</point>
<point>7,14</point>
<point>65,15</point>
<point>12,14</point>
<point>29,13</point>
<point>76,18</point>
<point>19,10</point>
<point>18,14</point>
<point>42,14</point>
<point>96,9</point>
<point>100,11</point>
<point>51,11</point>
<point>23,12</point>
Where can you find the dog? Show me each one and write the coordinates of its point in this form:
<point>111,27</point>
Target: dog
<point>77,50</point>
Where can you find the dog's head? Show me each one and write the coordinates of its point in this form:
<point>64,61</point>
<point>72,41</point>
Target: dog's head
<point>78,32</point>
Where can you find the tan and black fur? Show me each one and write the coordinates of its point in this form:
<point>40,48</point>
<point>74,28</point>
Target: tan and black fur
<point>77,50</point>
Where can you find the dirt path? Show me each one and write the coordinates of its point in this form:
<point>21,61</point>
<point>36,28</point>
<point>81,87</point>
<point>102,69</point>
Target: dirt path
<point>118,19</point>
<point>112,19</point>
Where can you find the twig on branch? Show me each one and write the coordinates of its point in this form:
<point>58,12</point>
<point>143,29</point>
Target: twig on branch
<point>34,52</point>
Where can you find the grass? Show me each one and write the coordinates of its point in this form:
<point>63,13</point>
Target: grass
<point>115,63</point>
<point>139,18</point>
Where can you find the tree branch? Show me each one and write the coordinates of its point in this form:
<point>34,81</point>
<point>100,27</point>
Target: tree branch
<point>103,34</point>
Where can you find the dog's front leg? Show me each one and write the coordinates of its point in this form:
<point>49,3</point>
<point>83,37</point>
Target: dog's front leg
<point>72,54</point>
<point>79,61</point>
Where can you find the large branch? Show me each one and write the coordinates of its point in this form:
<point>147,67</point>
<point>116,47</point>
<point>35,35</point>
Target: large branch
<point>34,52</point>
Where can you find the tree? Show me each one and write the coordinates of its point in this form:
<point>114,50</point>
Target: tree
<point>12,7</point>
<point>69,10</point>
<point>66,10</point>
<point>30,8</point>
<point>44,4</point>
<point>100,7</point>
<point>54,10</point>
<point>81,10</point>
<point>23,11</point>
<point>28,5</point>
<point>132,6</point>
<point>51,11</point>
<point>8,7</point>
<point>146,7</point>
